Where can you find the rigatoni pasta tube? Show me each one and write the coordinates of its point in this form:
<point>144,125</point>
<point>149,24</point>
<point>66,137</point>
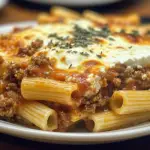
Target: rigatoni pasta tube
<point>64,12</point>
<point>48,89</point>
<point>93,16</point>
<point>46,18</point>
<point>110,121</point>
<point>40,115</point>
<point>17,60</point>
<point>127,102</point>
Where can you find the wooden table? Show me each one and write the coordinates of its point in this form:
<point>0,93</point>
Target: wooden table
<point>13,13</point>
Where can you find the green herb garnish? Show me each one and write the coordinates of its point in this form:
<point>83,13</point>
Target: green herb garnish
<point>122,31</point>
<point>130,47</point>
<point>69,51</point>
<point>70,66</point>
<point>81,37</point>
<point>135,33</point>
<point>74,52</point>
<point>111,39</point>
<point>99,56</point>
<point>84,54</point>
<point>54,35</point>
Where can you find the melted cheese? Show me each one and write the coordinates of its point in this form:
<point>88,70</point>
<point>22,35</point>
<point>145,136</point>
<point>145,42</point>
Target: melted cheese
<point>114,48</point>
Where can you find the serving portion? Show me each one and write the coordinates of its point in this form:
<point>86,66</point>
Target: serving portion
<point>74,67</point>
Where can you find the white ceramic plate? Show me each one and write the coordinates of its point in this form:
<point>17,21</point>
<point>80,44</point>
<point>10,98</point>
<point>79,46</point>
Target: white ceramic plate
<point>75,137</point>
<point>74,2</point>
<point>3,3</point>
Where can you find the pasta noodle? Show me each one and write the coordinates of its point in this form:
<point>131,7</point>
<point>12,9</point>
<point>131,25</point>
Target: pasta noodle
<point>127,102</point>
<point>94,17</point>
<point>131,19</point>
<point>110,121</point>
<point>40,115</point>
<point>64,13</point>
<point>47,89</point>
<point>16,60</point>
<point>46,18</point>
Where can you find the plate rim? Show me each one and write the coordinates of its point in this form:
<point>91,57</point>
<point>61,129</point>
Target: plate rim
<point>74,138</point>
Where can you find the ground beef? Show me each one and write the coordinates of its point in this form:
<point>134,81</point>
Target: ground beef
<point>40,66</point>
<point>9,75</point>
<point>14,73</point>
<point>135,78</point>
<point>40,60</point>
<point>20,73</point>
<point>120,77</point>
<point>30,49</point>
<point>117,82</point>
<point>12,86</point>
<point>37,44</point>
<point>128,78</point>
<point>110,75</point>
<point>8,104</point>
<point>23,51</point>
<point>96,102</point>
<point>32,71</point>
<point>64,121</point>
<point>26,51</point>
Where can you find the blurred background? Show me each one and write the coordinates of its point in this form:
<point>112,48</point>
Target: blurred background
<point>23,10</point>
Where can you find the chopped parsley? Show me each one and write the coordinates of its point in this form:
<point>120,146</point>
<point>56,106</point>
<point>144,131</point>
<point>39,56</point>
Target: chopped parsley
<point>69,51</point>
<point>54,35</point>
<point>135,33</point>
<point>74,52</point>
<point>99,56</point>
<point>122,31</point>
<point>65,45</point>
<point>84,54</point>
<point>52,44</point>
<point>70,66</point>
<point>130,47</point>
<point>91,51</point>
<point>104,32</point>
<point>111,39</point>
<point>81,37</point>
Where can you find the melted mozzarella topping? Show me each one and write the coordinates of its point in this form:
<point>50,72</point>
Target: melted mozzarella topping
<point>114,49</point>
